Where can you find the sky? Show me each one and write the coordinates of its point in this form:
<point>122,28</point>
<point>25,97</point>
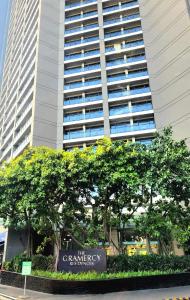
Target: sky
<point>4,4</point>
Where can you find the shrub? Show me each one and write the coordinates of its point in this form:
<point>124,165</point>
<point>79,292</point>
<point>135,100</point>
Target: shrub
<point>124,263</point>
<point>115,264</point>
<point>98,276</point>
<point>15,265</point>
<point>7,265</point>
<point>39,262</point>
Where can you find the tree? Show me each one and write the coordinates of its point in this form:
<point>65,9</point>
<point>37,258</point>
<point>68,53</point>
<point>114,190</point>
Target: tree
<point>167,184</point>
<point>115,172</point>
<point>170,168</point>
<point>37,192</point>
<point>86,193</point>
<point>154,227</point>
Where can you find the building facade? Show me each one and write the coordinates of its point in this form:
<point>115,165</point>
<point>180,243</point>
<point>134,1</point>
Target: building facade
<point>78,70</point>
<point>106,81</point>
<point>74,71</point>
<point>29,92</point>
<point>166,28</point>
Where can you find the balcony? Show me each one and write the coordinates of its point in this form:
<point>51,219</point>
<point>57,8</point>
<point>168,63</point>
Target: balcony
<point>126,46</point>
<point>125,93</point>
<point>82,69</point>
<point>122,61</point>
<point>22,130</point>
<point>82,55</point>
<point>82,41</point>
<point>81,84</point>
<point>78,4</point>
<point>27,97</point>
<point>21,146</point>
<point>6,151</point>
<point>133,44</point>
<point>78,17</point>
<point>123,19</point>
<point>145,142</point>
<point>74,135</point>
<point>80,100</point>
<point>7,138</point>
<point>127,76</point>
<point>140,126</point>
<point>23,115</point>
<point>80,116</point>
<point>90,132</point>
<point>141,107</point>
<point>118,7</point>
<point>80,28</point>
<point>120,33</point>
<point>114,111</point>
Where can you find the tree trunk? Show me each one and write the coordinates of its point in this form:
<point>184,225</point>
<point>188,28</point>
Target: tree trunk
<point>148,246</point>
<point>105,224</point>
<point>57,248</point>
<point>29,241</point>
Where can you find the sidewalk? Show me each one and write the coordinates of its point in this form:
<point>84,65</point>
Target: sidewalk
<point>15,292</point>
<point>159,294</point>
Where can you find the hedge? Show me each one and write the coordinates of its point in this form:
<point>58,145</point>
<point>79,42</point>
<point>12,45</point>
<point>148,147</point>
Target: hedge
<point>39,262</point>
<point>115,264</point>
<point>98,276</point>
<point>124,263</point>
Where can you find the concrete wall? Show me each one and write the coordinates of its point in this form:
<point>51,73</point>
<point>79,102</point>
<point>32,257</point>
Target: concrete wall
<point>166,26</point>
<point>45,110</point>
<point>60,75</point>
<point>16,243</point>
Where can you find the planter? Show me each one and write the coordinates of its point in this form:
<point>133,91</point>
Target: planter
<point>54,286</point>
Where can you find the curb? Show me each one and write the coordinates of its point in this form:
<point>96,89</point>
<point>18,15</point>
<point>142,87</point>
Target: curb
<point>178,298</point>
<point>7,297</point>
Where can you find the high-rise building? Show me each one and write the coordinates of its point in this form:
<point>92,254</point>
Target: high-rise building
<point>29,93</point>
<point>76,71</point>
<point>106,81</point>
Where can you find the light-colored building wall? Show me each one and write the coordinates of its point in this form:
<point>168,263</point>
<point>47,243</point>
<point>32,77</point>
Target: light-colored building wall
<point>89,53</point>
<point>45,109</point>
<point>76,71</point>
<point>29,91</point>
<point>166,27</point>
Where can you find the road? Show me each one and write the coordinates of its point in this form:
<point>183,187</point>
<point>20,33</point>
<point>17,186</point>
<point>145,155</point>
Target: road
<point>159,294</point>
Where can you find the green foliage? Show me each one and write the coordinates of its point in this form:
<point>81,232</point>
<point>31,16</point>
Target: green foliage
<point>50,191</point>
<point>153,226</point>
<point>115,175</point>
<point>116,264</point>
<point>8,266</point>
<point>138,263</point>
<point>170,168</point>
<point>99,276</point>
<point>39,262</point>
<point>15,265</point>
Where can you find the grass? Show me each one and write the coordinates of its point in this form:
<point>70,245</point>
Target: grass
<point>98,276</point>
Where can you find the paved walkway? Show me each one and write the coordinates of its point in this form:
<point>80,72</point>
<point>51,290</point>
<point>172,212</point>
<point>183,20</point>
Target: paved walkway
<point>135,295</point>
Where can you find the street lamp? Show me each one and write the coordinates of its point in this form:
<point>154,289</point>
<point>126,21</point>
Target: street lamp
<point>67,239</point>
